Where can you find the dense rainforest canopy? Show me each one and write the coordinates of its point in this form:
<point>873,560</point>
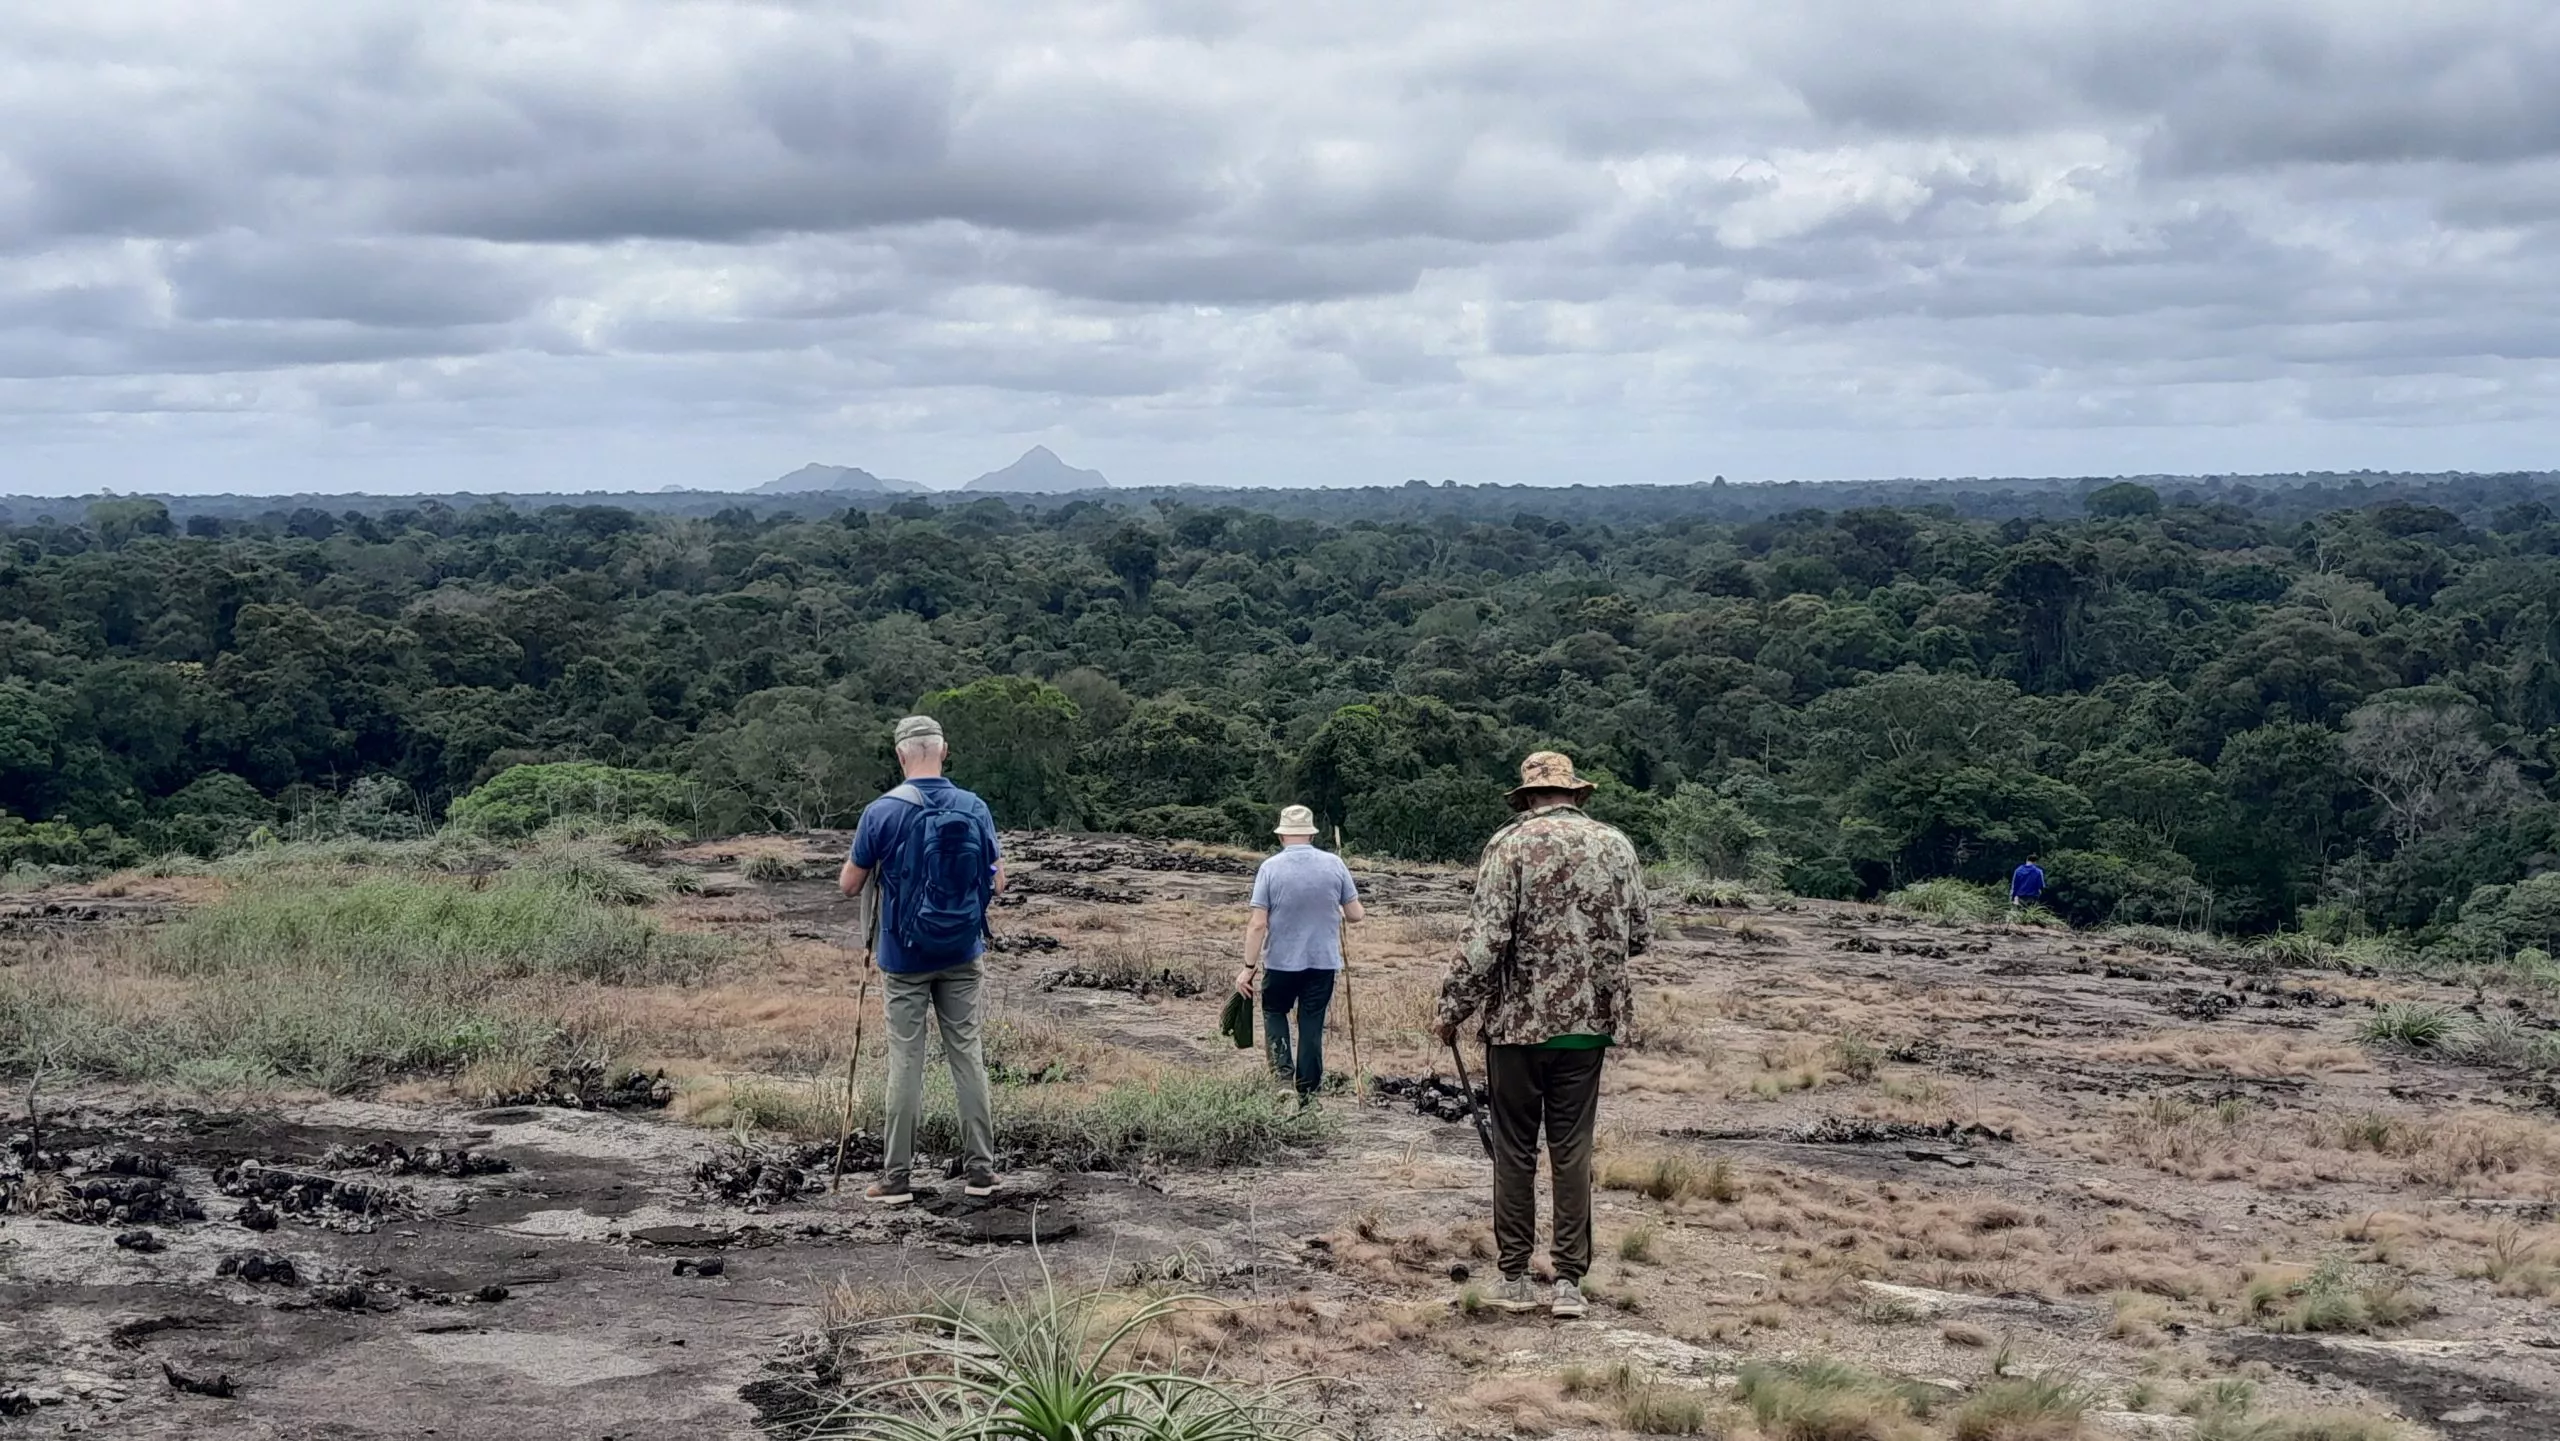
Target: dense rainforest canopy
<point>2188,709</point>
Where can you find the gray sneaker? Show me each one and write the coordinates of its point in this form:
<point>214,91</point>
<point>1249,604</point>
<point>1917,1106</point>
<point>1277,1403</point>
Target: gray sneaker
<point>1515,1294</point>
<point>1567,1305</point>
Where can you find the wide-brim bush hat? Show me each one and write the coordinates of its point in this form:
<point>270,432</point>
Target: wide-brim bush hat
<point>1548,771</point>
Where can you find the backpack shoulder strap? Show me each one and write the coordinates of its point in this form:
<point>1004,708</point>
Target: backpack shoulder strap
<point>906,791</point>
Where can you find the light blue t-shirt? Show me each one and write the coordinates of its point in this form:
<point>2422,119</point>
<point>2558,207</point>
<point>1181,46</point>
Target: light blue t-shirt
<point>1304,890</point>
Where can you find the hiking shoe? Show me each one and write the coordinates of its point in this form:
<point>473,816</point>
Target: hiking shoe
<point>1516,1293</point>
<point>1567,1305</point>
<point>981,1183</point>
<point>889,1191</point>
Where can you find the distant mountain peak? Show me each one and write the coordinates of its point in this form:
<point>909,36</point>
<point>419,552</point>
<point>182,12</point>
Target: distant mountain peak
<point>1040,472</point>
<point>815,478</point>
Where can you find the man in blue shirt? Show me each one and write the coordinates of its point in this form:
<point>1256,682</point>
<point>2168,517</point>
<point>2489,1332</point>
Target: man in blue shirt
<point>913,987</point>
<point>2026,884</point>
<point>1301,897</point>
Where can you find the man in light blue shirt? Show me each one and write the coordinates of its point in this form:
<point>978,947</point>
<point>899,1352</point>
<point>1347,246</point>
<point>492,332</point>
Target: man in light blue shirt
<point>1301,897</point>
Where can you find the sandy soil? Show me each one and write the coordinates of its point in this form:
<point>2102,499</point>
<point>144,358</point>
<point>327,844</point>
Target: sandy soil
<point>1923,1149</point>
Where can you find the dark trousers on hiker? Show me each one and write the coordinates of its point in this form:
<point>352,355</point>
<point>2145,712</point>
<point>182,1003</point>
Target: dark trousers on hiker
<point>1534,1089</point>
<point>1307,993</point>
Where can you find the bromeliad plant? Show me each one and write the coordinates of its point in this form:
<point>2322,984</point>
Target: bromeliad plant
<point>1037,1372</point>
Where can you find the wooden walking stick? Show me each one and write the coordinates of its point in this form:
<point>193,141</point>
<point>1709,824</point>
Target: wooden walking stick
<point>861,1004</point>
<point>1467,1088</point>
<point>1350,996</point>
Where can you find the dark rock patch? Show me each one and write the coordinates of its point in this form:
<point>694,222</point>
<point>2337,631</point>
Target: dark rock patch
<point>260,1268</point>
<point>304,1193</point>
<point>592,1088</point>
<point>219,1387</point>
<point>1433,1095</point>
<point>393,1159</point>
<point>1142,983</point>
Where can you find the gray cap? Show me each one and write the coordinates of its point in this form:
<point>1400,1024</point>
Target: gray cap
<point>919,727</point>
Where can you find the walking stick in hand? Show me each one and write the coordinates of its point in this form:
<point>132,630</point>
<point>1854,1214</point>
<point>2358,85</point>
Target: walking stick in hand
<point>861,1004</point>
<point>1484,1130</point>
<point>1350,994</point>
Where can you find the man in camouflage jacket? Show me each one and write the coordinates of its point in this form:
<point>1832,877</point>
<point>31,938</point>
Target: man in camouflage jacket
<point>1559,907</point>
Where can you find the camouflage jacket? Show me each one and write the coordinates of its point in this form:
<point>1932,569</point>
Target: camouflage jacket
<point>1559,907</point>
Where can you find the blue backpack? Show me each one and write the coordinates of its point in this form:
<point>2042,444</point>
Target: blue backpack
<point>942,880</point>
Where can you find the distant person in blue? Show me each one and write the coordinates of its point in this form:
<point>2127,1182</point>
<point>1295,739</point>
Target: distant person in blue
<point>933,845</point>
<point>1293,939</point>
<point>2026,884</point>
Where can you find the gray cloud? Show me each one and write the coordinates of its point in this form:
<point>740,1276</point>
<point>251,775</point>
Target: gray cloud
<point>1656,238</point>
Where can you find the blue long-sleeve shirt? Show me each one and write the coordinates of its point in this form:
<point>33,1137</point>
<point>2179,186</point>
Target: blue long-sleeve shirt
<point>2026,883</point>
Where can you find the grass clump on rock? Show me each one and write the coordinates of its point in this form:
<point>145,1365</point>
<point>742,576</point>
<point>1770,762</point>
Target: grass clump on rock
<point>2049,1407</point>
<point>2414,1024</point>
<point>1056,1367</point>
<point>1176,1117</point>
<point>1948,899</point>
<point>308,974</point>
<point>1826,1400</point>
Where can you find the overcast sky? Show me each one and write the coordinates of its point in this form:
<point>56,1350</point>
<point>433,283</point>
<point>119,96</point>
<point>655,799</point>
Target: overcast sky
<point>288,245</point>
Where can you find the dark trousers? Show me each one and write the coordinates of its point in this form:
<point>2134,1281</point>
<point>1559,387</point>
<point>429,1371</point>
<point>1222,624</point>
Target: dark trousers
<point>1559,1092</point>
<point>1309,992</point>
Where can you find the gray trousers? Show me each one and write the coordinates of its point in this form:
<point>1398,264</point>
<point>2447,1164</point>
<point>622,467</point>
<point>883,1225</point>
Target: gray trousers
<point>1558,1092</point>
<point>949,996</point>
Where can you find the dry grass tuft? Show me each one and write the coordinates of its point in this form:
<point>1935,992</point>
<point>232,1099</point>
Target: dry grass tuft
<point>2225,1053</point>
<point>1964,1334</point>
<point>1824,1400</point>
<point>1524,1405</point>
<point>1642,1404</point>
<point>1671,1177</point>
<point>2047,1407</point>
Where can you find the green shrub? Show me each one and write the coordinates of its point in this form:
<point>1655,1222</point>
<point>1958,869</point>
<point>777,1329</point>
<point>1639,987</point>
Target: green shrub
<point>1681,885</point>
<point>588,870</point>
<point>2092,887</point>
<point>634,835</point>
<point>522,799</point>
<point>212,814</point>
<point>2416,1024</point>
<point>2378,952</point>
<point>2503,1038</point>
<point>1216,825</point>
<point>1826,878</point>
<point>58,845</point>
<point>2166,941</point>
<point>1948,899</point>
<point>771,870</point>
<point>1441,816</point>
<point>1857,1057</point>
<point>2295,948</point>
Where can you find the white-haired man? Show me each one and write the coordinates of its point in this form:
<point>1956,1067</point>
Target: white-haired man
<point>933,846</point>
<point>1293,940</point>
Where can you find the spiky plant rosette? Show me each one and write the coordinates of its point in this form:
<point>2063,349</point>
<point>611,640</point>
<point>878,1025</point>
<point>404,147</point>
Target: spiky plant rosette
<point>1050,1370</point>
